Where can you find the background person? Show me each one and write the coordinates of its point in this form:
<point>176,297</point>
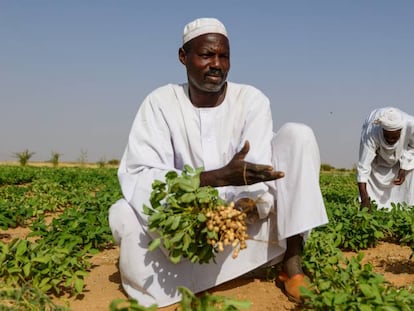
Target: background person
<point>226,128</point>
<point>386,158</point>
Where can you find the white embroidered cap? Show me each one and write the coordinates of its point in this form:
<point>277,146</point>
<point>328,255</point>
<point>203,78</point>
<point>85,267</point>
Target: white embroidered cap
<point>202,26</point>
<point>391,119</point>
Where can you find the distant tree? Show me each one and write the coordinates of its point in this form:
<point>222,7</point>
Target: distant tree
<point>342,169</point>
<point>326,167</point>
<point>101,162</point>
<point>113,162</point>
<point>54,159</point>
<point>83,158</point>
<point>23,156</point>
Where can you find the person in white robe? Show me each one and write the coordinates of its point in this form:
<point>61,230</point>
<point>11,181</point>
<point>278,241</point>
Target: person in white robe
<point>386,159</point>
<point>227,129</point>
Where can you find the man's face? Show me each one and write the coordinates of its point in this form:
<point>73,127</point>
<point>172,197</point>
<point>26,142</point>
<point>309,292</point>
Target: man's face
<point>207,62</point>
<point>391,137</point>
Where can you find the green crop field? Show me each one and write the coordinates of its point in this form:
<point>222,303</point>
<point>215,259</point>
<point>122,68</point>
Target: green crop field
<point>65,210</point>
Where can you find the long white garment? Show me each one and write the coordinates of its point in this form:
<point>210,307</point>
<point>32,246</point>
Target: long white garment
<point>169,132</point>
<point>380,162</point>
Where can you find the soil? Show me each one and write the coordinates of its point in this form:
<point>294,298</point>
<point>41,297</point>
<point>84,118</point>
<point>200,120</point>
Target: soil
<point>103,283</point>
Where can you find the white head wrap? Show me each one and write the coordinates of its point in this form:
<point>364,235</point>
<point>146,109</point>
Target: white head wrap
<point>202,26</point>
<point>390,119</point>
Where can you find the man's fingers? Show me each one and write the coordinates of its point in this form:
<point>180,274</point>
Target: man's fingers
<point>273,175</point>
<point>279,174</point>
<point>246,147</point>
<point>264,173</point>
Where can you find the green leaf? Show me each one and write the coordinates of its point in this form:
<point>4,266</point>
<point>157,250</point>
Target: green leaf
<point>42,259</point>
<point>176,222</point>
<point>81,273</point>
<point>206,253</point>
<point>21,248</point>
<point>158,183</point>
<point>177,237</point>
<point>186,241</point>
<point>44,282</point>
<point>13,270</point>
<point>154,244</point>
<point>171,175</point>
<point>187,185</point>
<point>188,169</point>
<point>155,217</point>
<point>201,217</point>
<point>366,290</point>
<point>212,235</point>
<point>78,285</point>
<point>147,210</point>
<point>26,269</point>
<point>188,197</point>
<point>364,307</point>
<point>175,258</point>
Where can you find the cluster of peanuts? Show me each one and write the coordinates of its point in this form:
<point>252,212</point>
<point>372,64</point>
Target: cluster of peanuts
<point>230,226</point>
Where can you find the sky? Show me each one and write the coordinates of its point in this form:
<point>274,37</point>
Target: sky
<point>74,73</point>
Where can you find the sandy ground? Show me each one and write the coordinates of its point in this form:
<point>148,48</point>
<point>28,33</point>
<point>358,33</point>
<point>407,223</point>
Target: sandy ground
<point>103,283</point>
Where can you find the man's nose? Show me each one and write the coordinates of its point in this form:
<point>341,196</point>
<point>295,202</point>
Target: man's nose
<point>215,62</point>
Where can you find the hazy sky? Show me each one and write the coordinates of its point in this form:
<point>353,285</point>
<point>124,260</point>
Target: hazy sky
<point>73,73</point>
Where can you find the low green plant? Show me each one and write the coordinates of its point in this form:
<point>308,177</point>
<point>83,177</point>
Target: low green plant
<point>207,302</point>
<point>55,256</point>
<point>189,302</point>
<point>129,305</point>
<point>26,298</point>
<point>355,228</point>
<point>350,285</point>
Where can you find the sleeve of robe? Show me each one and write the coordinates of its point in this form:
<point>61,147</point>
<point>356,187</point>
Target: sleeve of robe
<point>367,151</point>
<point>148,156</point>
<point>407,157</point>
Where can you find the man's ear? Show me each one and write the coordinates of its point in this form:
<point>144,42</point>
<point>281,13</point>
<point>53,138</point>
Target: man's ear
<point>182,56</point>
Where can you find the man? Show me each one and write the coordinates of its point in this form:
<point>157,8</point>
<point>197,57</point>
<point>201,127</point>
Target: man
<point>386,158</point>
<point>227,129</point>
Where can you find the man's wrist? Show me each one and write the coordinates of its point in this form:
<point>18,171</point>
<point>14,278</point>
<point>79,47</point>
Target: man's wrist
<point>211,178</point>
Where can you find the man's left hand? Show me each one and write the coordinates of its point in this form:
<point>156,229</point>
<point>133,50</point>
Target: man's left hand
<point>401,177</point>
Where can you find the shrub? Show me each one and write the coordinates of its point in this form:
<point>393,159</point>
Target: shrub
<point>326,167</point>
<point>54,159</point>
<point>24,156</point>
<point>113,162</point>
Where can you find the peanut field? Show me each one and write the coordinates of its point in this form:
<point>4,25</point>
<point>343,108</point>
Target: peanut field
<point>65,213</point>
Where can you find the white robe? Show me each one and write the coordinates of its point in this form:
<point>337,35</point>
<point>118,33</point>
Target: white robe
<point>380,162</point>
<point>169,132</point>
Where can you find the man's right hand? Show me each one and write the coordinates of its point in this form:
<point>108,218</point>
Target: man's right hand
<point>238,172</point>
<point>363,194</point>
<point>366,202</point>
